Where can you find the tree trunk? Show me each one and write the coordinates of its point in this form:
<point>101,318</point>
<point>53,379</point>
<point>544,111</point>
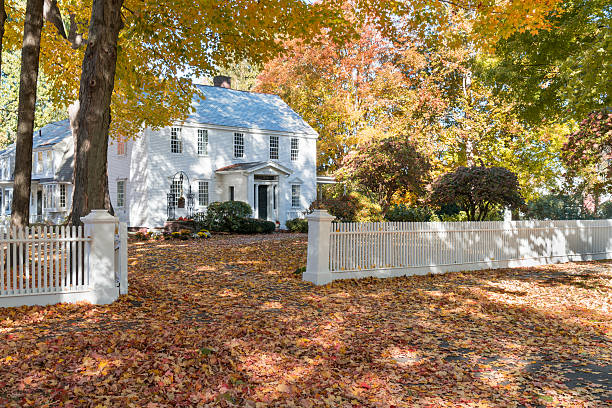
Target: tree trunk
<point>93,118</point>
<point>2,21</point>
<point>30,53</point>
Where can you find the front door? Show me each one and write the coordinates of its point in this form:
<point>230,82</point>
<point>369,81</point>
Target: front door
<point>262,202</point>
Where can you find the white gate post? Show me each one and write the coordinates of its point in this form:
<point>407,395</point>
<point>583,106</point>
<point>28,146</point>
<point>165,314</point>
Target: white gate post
<point>123,256</point>
<point>100,226</point>
<point>317,263</point>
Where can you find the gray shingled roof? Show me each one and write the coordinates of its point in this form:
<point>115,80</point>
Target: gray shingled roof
<point>48,135</point>
<point>251,110</point>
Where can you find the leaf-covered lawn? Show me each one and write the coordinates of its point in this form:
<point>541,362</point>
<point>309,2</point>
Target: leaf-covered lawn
<point>225,322</point>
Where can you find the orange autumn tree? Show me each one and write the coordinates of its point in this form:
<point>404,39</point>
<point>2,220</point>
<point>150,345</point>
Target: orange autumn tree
<point>137,72</point>
<point>354,91</point>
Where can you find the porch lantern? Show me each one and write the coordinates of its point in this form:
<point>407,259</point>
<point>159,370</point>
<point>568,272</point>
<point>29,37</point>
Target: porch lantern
<point>190,202</point>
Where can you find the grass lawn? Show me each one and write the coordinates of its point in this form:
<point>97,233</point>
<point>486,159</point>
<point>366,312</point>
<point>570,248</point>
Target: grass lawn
<point>225,322</point>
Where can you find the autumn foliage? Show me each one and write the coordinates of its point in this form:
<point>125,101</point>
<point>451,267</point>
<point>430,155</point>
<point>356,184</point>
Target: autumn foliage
<point>386,168</point>
<point>226,323</point>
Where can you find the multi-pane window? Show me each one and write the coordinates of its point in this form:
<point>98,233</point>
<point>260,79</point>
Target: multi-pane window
<point>49,198</point>
<point>295,195</point>
<point>49,162</point>
<point>39,162</point>
<point>120,148</point>
<point>295,148</point>
<point>202,193</point>
<point>273,147</point>
<point>177,190</point>
<point>176,140</point>
<point>8,199</point>
<point>202,142</point>
<point>238,145</point>
<point>62,196</point>
<point>120,193</point>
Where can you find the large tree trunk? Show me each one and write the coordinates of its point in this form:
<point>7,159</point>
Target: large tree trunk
<point>30,53</point>
<point>2,21</point>
<point>93,118</point>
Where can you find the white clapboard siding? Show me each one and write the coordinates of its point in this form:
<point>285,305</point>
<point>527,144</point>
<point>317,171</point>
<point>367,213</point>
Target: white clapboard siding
<point>387,249</point>
<point>50,259</point>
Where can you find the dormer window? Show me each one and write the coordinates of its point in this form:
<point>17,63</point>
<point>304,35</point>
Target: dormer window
<point>49,162</point>
<point>39,162</point>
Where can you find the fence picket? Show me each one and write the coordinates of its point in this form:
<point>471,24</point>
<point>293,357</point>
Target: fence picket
<point>3,270</point>
<point>368,247</point>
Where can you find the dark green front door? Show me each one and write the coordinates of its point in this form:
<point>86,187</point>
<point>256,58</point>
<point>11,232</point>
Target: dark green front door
<point>262,202</point>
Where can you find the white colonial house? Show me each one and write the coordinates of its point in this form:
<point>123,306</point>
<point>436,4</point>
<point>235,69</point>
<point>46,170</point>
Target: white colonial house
<point>236,145</point>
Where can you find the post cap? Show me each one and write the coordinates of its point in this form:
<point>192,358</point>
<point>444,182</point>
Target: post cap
<point>320,215</point>
<point>98,217</point>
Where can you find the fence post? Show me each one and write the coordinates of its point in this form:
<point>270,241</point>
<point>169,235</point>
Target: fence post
<point>123,256</point>
<point>100,226</point>
<point>317,263</point>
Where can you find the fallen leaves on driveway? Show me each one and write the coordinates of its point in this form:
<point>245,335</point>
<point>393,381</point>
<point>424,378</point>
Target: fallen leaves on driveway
<point>225,322</point>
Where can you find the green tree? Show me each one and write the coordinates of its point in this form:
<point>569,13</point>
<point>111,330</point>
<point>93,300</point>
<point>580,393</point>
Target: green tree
<point>564,71</point>
<point>477,190</point>
<point>47,110</point>
<point>587,154</point>
<point>386,168</point>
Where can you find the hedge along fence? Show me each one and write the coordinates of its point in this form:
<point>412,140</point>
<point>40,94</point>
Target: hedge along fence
<point>357,250</point>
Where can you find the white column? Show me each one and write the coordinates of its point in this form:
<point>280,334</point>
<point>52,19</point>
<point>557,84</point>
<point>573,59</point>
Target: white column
<point>317,264</point>
<point>100,226</point>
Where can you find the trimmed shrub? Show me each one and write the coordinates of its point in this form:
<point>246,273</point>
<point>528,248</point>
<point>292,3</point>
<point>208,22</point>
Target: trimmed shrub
<point>225,216</point>
<point>403,213</point>
<point>352,207</point>
<point>297,225</point>
<point>255,226</point>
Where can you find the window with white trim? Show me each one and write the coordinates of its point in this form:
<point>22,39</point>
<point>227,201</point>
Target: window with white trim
<point>295,148</point>
<point>120,193</point>
<point>176,140</point>
<point>238,145</point>
<point>49,198</point>
<point>177,190</point>
<point>39,162</point>
<point>8,197</point>
<point>203,193</point>
<point>62,195</point>
<point>295,195</point>
<point>49,161</point>
<point>120,148</point>
<point>202,142</point>
<point>273,147</point>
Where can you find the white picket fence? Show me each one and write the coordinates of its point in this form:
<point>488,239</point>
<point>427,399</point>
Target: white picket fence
<point>52,264</point>
<point>356,250</point>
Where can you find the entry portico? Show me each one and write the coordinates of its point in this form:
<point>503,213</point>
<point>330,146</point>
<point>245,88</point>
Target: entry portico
<point>258,183</point>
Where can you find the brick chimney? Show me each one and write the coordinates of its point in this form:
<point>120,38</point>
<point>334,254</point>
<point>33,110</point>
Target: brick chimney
<point>222,81</point>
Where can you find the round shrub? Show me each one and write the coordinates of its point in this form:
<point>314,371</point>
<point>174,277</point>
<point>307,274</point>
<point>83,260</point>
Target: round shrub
<point>297,225</point>
<point>255,226</point>
<point>224,216</point>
